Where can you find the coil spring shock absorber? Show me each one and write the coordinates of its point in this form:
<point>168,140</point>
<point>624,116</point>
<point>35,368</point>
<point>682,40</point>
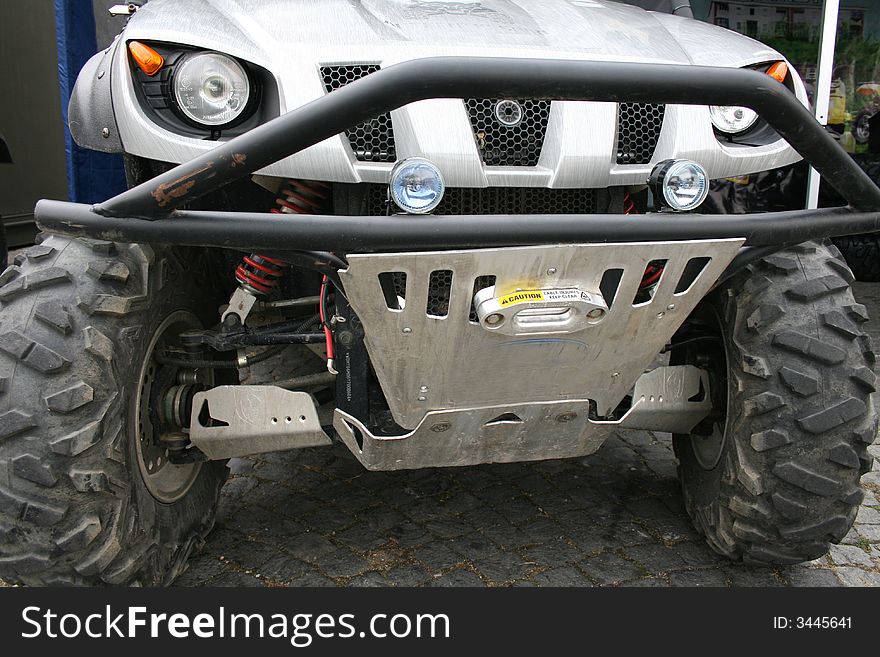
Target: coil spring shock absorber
<point>652,272</point>
<point>259,274</point>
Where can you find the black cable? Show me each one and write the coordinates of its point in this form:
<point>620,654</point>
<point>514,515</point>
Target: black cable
<point>325,294</point>
<point>683,343</point>
<point>266,354</point>
<point>324,262</point>
<point>289,327</point>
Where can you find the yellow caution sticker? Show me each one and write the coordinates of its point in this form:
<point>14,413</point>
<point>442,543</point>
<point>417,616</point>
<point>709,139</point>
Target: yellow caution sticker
<point>552,295</point>
<point>521,296</point>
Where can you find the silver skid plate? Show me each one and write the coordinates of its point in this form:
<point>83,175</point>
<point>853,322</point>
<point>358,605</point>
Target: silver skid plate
<point>528,432</point>
<point>252,420</point>
<point>433,355</point>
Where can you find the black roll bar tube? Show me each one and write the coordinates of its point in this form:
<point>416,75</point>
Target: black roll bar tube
<point>463,77</point>
<point>357,234</point>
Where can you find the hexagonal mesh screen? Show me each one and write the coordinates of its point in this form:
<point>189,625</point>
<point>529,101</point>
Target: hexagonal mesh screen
<point>398,280</point>
<point>518,144</point>
<point>497,200</point>
<point>638,129</point>
<point>439,291</point>
<point>372,141</point>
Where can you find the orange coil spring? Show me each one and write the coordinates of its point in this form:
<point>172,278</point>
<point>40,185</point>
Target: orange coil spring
<point>261,274</point>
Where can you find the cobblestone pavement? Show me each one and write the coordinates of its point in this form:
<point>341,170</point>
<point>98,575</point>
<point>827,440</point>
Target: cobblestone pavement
<point>316,517</point>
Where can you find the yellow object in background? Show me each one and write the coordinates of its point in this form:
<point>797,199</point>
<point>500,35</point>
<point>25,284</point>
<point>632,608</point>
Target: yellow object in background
<point>837,103</point>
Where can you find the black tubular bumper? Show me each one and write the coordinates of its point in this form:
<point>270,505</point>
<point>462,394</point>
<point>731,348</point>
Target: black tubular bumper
<point>149,212</point>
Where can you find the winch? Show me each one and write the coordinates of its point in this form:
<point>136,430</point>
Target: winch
<point>533,311</point>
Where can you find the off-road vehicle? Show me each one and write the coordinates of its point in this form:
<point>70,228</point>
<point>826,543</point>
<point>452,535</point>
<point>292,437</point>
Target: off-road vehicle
<point>469,232</point>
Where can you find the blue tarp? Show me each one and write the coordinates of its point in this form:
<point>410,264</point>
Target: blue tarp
<point>91,176</point>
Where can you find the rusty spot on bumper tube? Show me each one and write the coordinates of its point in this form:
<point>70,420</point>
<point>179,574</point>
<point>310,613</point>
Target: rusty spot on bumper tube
<point>167,192</point>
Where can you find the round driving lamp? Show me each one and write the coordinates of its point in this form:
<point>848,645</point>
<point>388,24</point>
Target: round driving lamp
<point>679,185</point>
<point>416,185</point>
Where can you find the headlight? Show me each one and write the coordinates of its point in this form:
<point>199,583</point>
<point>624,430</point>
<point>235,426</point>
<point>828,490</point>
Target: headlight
<point>681,185</point>
<point>211,88</point>
<point>416,185</point>
<point>732,120</point>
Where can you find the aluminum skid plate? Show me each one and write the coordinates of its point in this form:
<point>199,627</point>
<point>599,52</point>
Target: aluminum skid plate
<point>254,420</point>
<point>437,363</point>
<point>470,436</point>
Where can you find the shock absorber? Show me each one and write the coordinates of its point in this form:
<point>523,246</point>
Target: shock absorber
<point>258,274</point>
<point>301,197</point>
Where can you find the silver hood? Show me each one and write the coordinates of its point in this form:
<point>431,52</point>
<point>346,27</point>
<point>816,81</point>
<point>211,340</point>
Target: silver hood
<point>395,30</point>
<point>293,38</point>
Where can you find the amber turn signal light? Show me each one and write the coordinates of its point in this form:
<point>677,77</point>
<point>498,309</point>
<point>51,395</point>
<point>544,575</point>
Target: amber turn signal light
<point>778,71</point>
<point>147,59</point>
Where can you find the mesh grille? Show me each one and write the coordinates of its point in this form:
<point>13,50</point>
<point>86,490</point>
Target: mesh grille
<point>638,129</point>
<point>499,200</point>
<point>398,280</point>
<point>439,291</point>
<point>509,145</point>
<point>372,141</point>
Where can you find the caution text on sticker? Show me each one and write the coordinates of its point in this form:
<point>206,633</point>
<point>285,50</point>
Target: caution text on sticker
<point>557,295</point>
<point>520,297</point>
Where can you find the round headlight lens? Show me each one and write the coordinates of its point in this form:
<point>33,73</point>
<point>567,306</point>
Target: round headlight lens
<point>732,120</point>
<point>416,185</point>
<point>211,88</point>
<point>682,184</point>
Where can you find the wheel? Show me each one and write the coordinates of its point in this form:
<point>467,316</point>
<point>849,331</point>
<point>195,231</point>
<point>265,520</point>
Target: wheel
<point>4,249</point>
<point>862,126</point>
<point>772,476</point>
<point>87,496</point>
<point>862,253</point>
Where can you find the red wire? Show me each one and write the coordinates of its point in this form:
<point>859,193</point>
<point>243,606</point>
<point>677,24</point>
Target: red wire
<point>652,274</point>
<point>328,336</point>
<point>299,197</point>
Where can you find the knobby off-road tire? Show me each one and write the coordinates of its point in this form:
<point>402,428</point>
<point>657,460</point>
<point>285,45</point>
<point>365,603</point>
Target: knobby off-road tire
<point>76,321</point>
<point>799,412</point>
<point>4,248</point>
<point>862,252</point>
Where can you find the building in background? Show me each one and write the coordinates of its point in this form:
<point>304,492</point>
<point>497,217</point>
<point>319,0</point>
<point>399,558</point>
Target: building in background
<point>794,19</point>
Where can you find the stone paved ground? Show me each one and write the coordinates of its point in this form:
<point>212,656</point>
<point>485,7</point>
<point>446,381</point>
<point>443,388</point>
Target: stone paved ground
<point>614,518</point>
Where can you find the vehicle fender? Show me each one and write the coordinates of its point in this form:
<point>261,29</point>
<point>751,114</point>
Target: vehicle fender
<point>90,112</point>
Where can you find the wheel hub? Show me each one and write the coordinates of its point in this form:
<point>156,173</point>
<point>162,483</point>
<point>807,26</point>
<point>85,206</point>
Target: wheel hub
<point>166,481</point>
